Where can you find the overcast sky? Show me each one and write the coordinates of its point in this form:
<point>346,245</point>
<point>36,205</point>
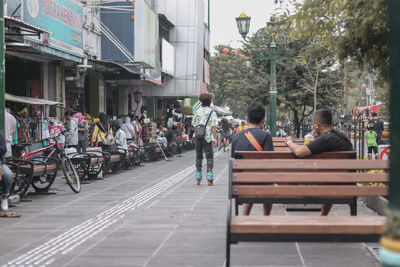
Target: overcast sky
<point>223,14</point>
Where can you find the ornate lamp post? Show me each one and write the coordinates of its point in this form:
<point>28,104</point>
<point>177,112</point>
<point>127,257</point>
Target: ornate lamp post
<point>243,24</point>
<point>364,86</point>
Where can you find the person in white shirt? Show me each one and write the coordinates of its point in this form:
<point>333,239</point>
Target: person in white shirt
<point>71,136</point>
<point>128,129</point>
<point>120,137</point>
<point>11,123</point>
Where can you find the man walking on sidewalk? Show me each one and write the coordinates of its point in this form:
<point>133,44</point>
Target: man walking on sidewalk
<point>205,124</point>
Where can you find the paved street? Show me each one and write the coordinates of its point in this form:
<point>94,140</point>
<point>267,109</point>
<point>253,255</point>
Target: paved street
<point>153,215</point>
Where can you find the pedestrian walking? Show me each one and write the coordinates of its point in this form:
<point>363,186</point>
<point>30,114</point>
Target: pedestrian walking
<point>205,128</point>
<point>372,144</point>
<point>378,127</point>
<point>71,135</point>
<point>83,132</point>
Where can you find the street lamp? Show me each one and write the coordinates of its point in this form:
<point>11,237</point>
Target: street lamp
<point>243,24</point>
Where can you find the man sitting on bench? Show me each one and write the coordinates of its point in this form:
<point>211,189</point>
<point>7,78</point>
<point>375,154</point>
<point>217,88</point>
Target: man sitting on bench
<point>328,140</point>
<point>253,139</point>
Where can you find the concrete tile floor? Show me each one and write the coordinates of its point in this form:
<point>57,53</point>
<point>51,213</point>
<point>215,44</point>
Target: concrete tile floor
<point>181,226</point>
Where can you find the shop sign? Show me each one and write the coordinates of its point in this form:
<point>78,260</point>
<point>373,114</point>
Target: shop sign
<point>62,18</point>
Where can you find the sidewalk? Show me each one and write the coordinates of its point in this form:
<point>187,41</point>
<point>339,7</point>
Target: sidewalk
<point>153,215</point>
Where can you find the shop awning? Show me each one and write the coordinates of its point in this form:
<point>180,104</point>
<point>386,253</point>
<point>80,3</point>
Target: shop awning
<point>30,100</point>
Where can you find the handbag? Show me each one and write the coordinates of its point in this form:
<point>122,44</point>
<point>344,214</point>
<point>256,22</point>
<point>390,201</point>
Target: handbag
<point>109,139</point>
<point>200,130</point>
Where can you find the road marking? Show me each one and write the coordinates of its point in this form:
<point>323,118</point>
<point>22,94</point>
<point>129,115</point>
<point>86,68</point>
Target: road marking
<point>66,242</point>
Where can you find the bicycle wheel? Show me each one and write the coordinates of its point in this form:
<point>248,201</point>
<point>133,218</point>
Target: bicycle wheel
<point>70,175</point>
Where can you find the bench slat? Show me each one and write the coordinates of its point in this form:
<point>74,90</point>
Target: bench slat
<point>290,155</point>
<point>309,177</point>
<point>307,164</point>
<point>307,224</point>
<point>307,190</point>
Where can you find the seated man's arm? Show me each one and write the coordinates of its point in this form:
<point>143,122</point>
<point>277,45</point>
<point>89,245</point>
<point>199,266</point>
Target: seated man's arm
<point>300,151</point>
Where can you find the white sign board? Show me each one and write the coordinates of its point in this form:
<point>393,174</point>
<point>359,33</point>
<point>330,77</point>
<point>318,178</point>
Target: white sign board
<point>168,57</point>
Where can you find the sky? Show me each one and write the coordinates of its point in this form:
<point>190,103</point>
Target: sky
<point>223,13</point>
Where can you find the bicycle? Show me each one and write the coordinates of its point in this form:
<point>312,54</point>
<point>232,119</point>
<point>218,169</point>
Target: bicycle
<point>67,166</point>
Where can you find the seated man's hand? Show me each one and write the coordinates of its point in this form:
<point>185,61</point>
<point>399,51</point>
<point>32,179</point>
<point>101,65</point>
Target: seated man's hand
<point>288,138</point>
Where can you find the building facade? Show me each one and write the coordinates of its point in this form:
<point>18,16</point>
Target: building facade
<point>119,57</point>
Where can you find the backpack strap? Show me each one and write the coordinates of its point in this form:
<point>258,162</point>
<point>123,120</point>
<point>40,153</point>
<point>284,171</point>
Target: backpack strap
<point>253,141</point>
<point>208,118</point>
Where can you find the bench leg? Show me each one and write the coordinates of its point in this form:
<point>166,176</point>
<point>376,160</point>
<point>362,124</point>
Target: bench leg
<point>228,235</point>
<point>236,209</point>
<point>353,207</point>
<point>228,254</point>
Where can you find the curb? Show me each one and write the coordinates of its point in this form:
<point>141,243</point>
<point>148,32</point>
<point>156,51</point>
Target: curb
<point>378,204</point>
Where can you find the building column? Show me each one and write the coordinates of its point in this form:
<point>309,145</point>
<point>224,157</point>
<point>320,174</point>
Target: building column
<point>96,94</point>
<point>45,87</point>
<point>123,100</point>
<point>59,93</point>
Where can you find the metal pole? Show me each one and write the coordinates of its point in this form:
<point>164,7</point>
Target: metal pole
<point>273,90</point>
<point>2,67</point>
<point>390,255</point>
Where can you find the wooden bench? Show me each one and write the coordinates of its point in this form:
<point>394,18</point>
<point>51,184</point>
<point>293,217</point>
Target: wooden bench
<point>352,202</point>
<point>318,181</point>
<point>280,145</point>
<point>290,155</point>
<point>88,164</point>
<point>38,171</point>
<point>113,161</point>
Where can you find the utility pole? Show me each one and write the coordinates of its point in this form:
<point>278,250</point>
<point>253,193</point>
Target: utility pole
<point>2,68</point>
<point>390,251</point>
<point>273,90</point>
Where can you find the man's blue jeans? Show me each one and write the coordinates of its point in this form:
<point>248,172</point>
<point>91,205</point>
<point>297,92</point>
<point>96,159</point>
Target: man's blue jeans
<point>6,179</point>
<point>203,145</point>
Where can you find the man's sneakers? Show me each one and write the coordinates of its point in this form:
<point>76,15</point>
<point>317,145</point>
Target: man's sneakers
<point>4,204</point>
<point>210,178</point>
<point>198,177</point>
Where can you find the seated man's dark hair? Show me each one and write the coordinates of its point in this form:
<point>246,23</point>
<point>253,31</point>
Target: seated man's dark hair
<point>115,124</point>
<point>69,113</point>
<point>205,99</point>
<point>374,114</point>
<point>255,113</point>
<point>324,116</point>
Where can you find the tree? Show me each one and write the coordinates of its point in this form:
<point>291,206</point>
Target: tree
<point>298,76</point>
<point>355,30</point>
<point>231,80</point>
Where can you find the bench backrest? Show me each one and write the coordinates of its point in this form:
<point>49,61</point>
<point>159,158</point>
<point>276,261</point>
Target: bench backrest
<point>290,155</point>
<point>255,178</point>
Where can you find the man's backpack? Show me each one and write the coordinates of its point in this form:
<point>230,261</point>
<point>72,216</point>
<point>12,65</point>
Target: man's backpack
<point>200,130</point>
<point>109,139</point>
